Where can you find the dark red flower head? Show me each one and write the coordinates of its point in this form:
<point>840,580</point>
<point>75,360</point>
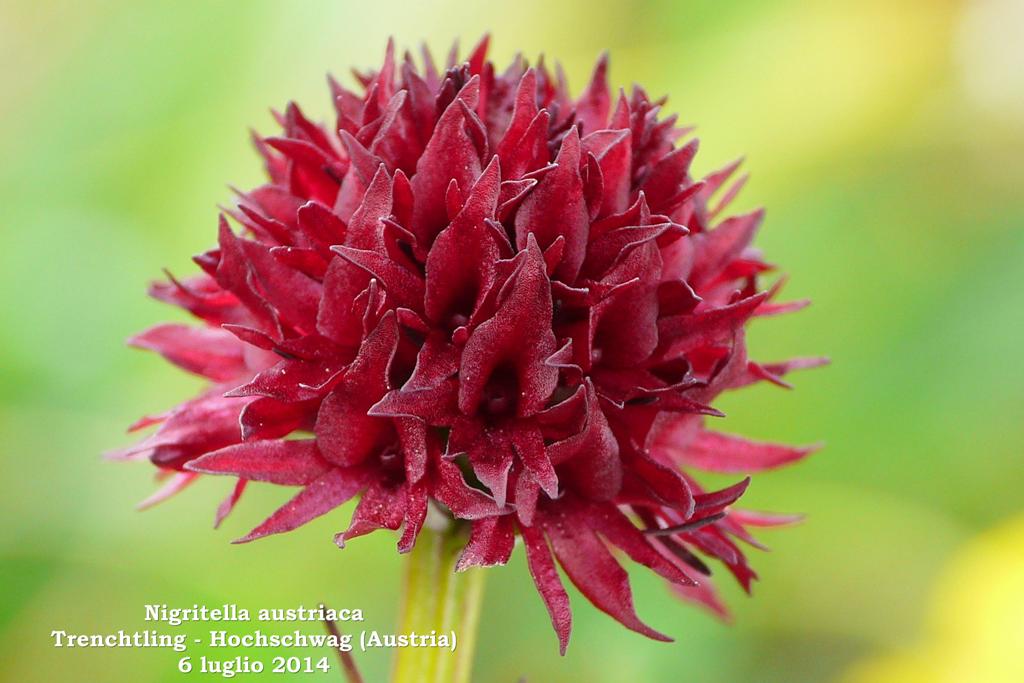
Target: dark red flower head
<point>476,293</point>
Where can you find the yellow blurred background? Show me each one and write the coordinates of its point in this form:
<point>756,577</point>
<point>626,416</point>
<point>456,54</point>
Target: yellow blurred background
<point>885,139</point>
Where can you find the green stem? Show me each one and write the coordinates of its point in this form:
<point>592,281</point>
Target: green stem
<point>436,598</point>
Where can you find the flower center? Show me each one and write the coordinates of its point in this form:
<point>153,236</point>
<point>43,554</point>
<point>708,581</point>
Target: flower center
<point>501,392</point>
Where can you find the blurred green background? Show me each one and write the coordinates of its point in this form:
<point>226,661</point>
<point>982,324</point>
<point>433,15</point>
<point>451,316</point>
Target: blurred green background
<point>885,139</point>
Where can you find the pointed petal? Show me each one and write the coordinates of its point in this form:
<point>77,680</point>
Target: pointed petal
<point>594,571</point>
<point>175,484</point>
<point>278,461</point>
<point>345,433</point>
<point>382,506</point>
<point>519,335</point>
<point>491,541</point>
<point>228,504</point>
<point>451,489</point>
<point>593,106</point>
<point>529,446</point>
<point>207,351</point>
<point>611,523</point>
<point>556,207</point>
<point>716,452</point>
<point>549,585</point>
<point>327,492</point>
